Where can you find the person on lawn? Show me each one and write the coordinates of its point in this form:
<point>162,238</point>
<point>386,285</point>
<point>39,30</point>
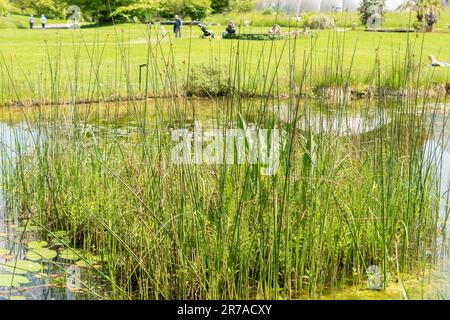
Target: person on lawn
<point>275,30</point>
<point>43,21</point>
<point>435,63</point>
<point>177,27</point>
<point>31,21</point>
<point>231,28</point>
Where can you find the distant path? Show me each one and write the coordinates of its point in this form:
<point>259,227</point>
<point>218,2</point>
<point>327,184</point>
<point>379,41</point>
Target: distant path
<point>54,26</point>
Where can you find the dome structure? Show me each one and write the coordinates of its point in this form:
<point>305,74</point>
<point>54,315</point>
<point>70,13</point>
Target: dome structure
<point>351,5</point>
<point>320,5</point>
<point>311,6</point>
<point>331,5</point>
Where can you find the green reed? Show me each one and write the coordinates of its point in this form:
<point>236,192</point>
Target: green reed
<point>339,202</point>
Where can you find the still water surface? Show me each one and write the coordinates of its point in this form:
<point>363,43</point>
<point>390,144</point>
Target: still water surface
<point>64,277</point>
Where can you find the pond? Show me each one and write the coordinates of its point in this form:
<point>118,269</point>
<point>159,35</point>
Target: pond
<point>37,263</point>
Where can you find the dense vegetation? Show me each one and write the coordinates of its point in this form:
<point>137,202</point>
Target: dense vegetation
<point>337,203</point>
<point>97,179</point>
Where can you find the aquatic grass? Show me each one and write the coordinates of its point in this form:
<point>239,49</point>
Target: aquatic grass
<point>339,203</point>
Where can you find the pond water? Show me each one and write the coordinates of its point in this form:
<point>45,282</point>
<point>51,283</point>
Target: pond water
<point>33,267</point>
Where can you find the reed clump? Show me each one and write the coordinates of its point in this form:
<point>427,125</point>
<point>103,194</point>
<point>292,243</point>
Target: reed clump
<point>342,198</point>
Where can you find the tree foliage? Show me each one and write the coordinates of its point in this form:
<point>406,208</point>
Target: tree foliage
<point>242,5</point>
<point>50,8</point>
<point>125,10</point>
<point>4,5</point>
<point>219,5</point>
<point>421,7</point>
<point>194,9</point>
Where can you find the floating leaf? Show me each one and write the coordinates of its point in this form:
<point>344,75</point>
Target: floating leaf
<point>27,229</point>
<point>58,280</point>
<point>69,254</point>
<point>35,244</point>
<point>86,263</point>
<point>41,253</point>
<point>59,234</point>
<point>22,267</point>
<point>60,241</point>
<point>12,280</point>
<point>17,298</point>
<point>93,257</point>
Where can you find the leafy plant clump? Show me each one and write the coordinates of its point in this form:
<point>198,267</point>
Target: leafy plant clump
<point>206,81</point>
<point>320,22</point>
<point>367,8</point>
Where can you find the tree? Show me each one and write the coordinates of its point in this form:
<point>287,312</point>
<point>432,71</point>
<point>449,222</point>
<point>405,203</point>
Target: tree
<point>421,7</point>
<point>101,10</point>
<point>4,6</point>
<point>195,9</point>
<point>219,5</point>
<point>51,8</point>
<point>242,5</point>
<point>144,10</point>
<point>23,4</point>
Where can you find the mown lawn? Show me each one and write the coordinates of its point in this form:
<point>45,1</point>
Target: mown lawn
<point>38,64</point>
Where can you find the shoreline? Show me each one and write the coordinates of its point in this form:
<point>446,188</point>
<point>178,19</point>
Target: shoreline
<point>331,93</point>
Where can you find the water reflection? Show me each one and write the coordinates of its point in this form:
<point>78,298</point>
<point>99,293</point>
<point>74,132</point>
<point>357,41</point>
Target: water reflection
<point>61,279</point>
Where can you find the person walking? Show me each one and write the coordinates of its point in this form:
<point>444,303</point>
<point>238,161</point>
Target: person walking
<point>177,27</point>
<point>31,21</point>
<point>43,21</point>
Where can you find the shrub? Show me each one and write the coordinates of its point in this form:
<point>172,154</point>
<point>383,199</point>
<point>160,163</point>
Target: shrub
<point>320,22</point>
<point>418,26</point>
<point>267,12</point>
<point>206,81</point>
<point>195,9</point>
<point>4,6</point>
<point>144,11</point>
<point>364,11</point>
<point>242,5</point>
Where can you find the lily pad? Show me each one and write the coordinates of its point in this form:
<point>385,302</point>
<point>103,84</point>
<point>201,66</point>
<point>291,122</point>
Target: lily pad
<point>69,254</point>
<point>35,244</point>
<point>27,229</point>
<point>17,298</point>
<point>12,280</point>
<point>60,241</point>
<point>93,257</point>
<point>22,267</point>
<point>41,253</point>
<point>86,263</point>
<point>59,234</point>
<point>3,251</point>
<point>58,280</point>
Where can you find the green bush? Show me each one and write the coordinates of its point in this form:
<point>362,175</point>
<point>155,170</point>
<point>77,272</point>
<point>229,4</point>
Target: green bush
<point>267,12</point>
<point>144,11</point>
<point>320,22</point>
<point>364,13</point>
<point>242,5</point>
<point>418,25</point>
<point>205,81</point>
<point>4,6</point>
<point>251,36</point>
<point>195,9</point>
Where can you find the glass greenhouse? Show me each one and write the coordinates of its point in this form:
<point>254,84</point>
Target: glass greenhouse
<point>322,5</point>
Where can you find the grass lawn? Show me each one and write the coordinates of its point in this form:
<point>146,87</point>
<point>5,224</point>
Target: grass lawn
<point>38,64</point>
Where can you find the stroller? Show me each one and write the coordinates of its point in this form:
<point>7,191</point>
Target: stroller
<point>206,33</point>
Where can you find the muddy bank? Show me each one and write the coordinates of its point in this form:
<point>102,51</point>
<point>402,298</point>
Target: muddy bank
<point>328,93</point>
